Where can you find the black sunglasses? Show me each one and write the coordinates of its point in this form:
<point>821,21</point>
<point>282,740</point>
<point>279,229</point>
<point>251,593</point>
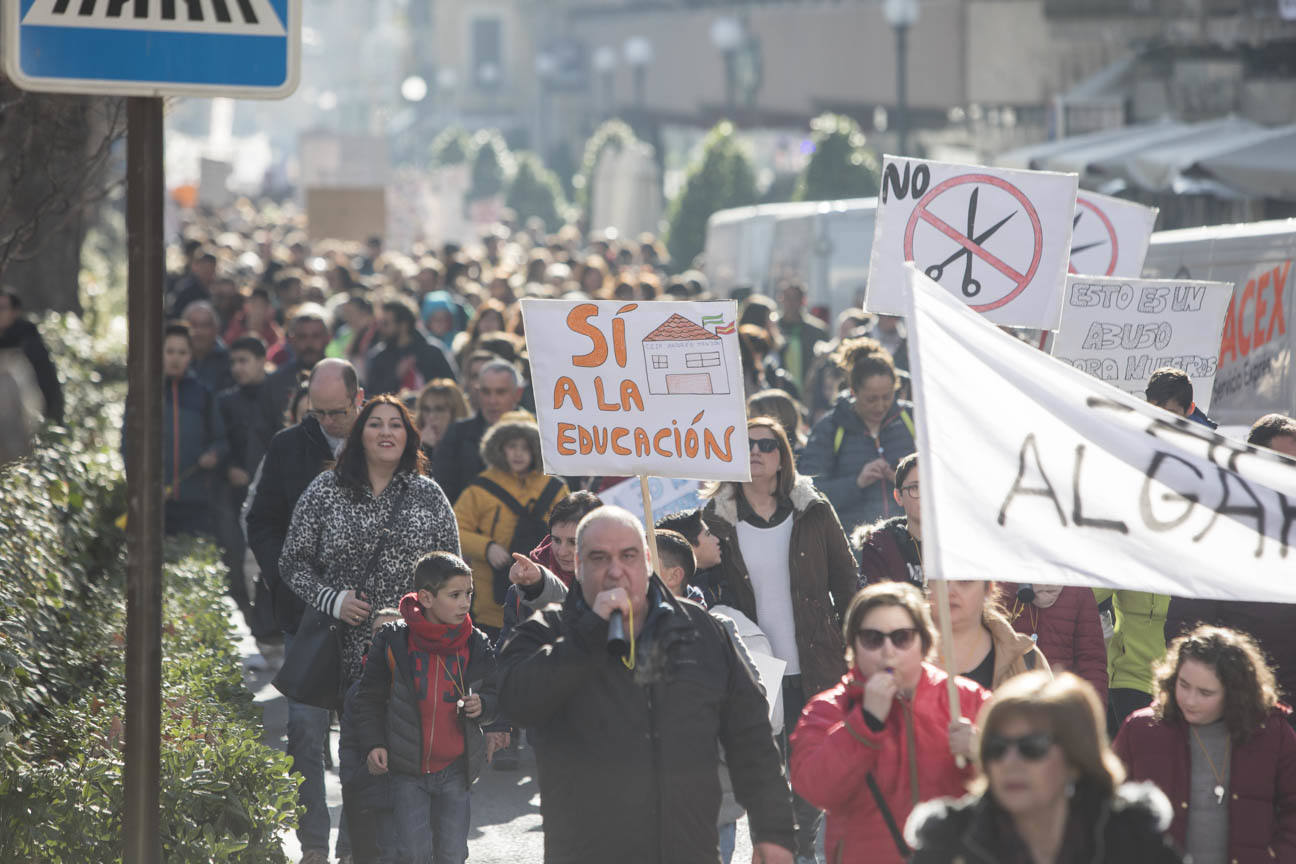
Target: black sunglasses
<point>1032,747</point>
<point>764,445</point>
<point>901,639</point>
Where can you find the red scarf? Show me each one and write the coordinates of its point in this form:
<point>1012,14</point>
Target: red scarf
<point>439,661</point>
<point>433,637</point>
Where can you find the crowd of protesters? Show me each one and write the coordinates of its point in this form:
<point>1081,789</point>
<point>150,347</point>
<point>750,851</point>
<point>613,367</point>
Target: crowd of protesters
<point>353,426</point>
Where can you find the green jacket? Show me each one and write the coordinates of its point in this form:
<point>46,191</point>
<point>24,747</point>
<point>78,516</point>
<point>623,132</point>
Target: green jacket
<point>1139,640</point>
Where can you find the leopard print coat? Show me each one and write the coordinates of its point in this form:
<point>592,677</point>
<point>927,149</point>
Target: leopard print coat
<point>333,535</point>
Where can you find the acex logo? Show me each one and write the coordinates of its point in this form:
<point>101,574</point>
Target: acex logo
<point>1246,330</point>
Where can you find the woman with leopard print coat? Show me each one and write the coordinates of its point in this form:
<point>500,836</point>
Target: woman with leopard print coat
<point>341,517</point>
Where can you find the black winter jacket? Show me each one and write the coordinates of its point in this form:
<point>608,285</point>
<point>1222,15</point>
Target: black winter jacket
<point>1128,828</point>
<point>387,707</point>
<point>246,426</point>
<point>23,334</point>
<point>629,763</point>
<point>382,369</point>
<point>295,457</point>
<point>458,456</point>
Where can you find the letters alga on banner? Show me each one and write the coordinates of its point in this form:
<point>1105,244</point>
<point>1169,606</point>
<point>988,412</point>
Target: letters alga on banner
<point>628,388</point>
<point>1031,467</point>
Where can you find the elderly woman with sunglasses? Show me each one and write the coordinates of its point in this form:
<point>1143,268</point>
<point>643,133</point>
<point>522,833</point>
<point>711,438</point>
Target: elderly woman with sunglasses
<point>882,740</point>
<point>1052,792</point>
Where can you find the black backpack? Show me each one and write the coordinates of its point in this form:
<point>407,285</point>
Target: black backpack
<point>532,525</point>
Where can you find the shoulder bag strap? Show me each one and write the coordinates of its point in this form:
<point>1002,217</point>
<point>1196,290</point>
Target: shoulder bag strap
<point>887,817</point>
<point>498,491</point>
<point>547,496</point>
<point>382,537</point>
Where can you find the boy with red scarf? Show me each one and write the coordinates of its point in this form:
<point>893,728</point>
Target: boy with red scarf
<point>426,692</point>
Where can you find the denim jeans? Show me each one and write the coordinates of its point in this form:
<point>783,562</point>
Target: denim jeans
<point>307,729</point>
<point>431,815</point>
<point>728,839</point>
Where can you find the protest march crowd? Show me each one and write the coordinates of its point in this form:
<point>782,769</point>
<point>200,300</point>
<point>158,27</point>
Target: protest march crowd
<point>355,428</point>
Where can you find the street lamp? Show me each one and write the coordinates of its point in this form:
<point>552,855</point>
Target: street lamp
<point>727,36</point>
<point>605,61</point>
<point>638,53</point>
<point>901,15</point>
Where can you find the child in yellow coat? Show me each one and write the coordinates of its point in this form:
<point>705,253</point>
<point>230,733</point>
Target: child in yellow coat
<point>501,509</point>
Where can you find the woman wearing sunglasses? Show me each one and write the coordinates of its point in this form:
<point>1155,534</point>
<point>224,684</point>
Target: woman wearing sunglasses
<point>786,565</point>
<point>1052,792</point>
<point>882,740</point>
<point>1219,745</point>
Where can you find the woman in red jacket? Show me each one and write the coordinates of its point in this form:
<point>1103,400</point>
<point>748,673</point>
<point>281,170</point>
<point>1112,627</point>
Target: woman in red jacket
<point>870,749</point>
<point>1218,744</point>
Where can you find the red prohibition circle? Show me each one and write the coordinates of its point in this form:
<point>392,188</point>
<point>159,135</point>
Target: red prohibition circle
<point>1111,232</point>
<point>920,211</point>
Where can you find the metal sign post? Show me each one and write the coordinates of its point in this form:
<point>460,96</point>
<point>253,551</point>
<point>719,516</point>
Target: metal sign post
<point>143,480</point>
<point>145,51</point>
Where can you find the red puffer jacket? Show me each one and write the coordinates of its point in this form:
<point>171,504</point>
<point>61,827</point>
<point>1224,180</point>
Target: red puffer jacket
<point>1262,782</point>
<point>834,750</point>
<point>1069,631</point>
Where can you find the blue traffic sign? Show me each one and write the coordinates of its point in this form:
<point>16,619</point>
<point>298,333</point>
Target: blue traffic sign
<point>238,48</point>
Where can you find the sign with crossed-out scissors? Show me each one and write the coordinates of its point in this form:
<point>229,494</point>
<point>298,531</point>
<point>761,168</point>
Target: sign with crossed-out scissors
<point>997,239</point>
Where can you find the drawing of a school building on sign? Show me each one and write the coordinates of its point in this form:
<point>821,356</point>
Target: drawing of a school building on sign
<point>683,358</point>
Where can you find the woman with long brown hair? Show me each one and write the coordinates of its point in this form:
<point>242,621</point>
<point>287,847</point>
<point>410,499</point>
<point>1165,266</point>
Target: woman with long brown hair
<point>376,499</point>
<point>1217,742</point>
<point>786,565</point>
<point>1053,791</point>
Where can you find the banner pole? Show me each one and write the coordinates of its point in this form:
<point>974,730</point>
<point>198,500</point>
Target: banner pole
<point>940,590</point>
<point>649,528</point>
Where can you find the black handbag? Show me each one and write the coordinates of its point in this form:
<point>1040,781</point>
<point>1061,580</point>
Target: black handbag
<point>312,669</point>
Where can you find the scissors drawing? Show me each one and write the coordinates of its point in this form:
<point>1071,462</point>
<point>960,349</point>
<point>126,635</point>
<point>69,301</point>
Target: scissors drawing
<point>971,287</point>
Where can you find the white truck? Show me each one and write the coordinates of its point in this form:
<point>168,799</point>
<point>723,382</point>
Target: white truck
<point>1255,374</point>
<point>823,244</point>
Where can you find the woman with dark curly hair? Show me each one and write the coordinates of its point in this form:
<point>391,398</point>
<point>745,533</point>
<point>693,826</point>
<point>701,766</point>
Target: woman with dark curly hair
<point>377,494</point>
<point>1217,742</point>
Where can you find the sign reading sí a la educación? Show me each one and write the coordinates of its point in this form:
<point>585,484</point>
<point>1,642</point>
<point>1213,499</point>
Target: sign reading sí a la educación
<point>638,388</point>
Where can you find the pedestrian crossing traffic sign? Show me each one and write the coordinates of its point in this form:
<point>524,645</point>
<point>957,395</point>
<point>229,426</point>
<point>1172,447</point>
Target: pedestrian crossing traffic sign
<point>237,48</point>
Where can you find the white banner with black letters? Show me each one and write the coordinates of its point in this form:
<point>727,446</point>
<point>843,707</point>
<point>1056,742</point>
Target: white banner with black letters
<point>1034,471</point>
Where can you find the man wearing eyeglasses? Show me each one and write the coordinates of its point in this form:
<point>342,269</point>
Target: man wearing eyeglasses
<point>891,549</point>
<point>295,457</point>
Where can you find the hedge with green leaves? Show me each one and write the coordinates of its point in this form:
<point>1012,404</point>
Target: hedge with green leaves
<point>842,165</point>
<point>224,795</point>
<point>536,193</point>
<point>722,178</point>
<point>492,165</point>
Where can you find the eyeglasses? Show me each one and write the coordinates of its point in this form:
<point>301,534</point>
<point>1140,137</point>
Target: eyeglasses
<point>911,490</point>
<point>764,445</point>
<point>873,639</point>
<point>336,413</point>
<point>1032,747</point>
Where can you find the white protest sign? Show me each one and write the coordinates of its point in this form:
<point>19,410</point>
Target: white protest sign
<point>669,495</point>
<point>638,388</point>
<point>1034,471</point>
<point>1123,330</point>
<point>1109,236</point>
<point>997,239</point>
